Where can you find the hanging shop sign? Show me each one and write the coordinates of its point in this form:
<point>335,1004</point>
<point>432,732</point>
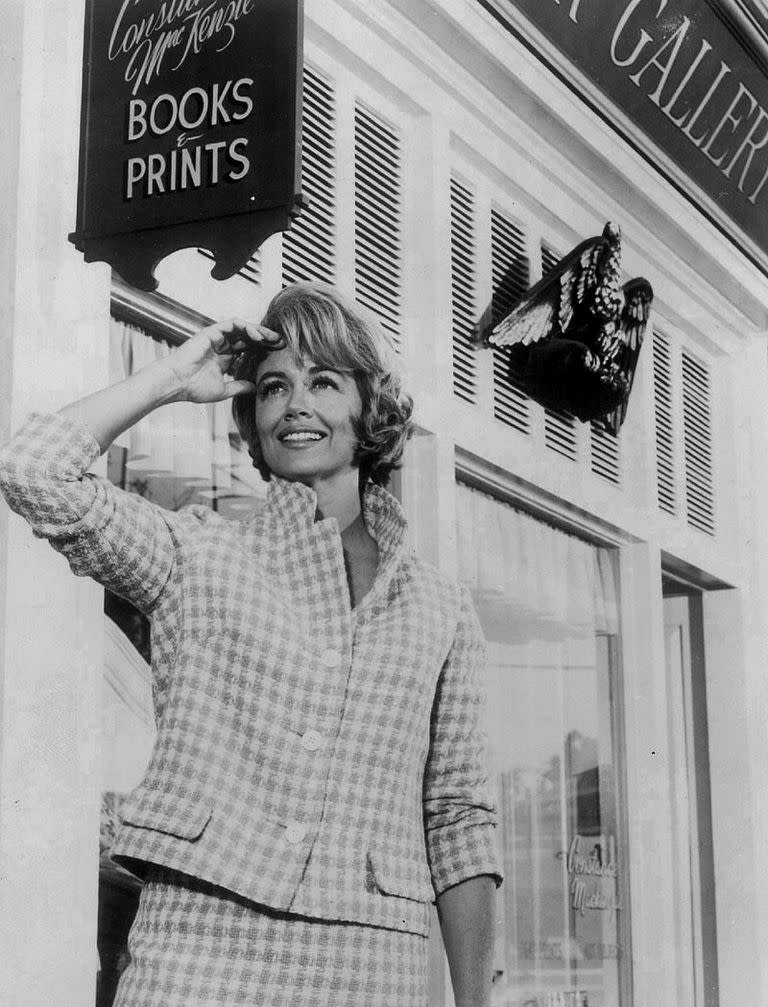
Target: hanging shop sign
<point>679,73</point>
<point>189,130</point>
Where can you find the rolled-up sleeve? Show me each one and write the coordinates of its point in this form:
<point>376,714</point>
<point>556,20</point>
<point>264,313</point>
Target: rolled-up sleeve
<point>459,810</point>
<point>124,542</point>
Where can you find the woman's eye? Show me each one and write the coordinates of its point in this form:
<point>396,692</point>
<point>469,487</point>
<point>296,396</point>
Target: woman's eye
<point>269,389</point>
<point>324,381</point>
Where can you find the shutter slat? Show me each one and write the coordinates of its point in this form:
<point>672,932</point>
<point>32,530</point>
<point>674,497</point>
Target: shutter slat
<point>666,494</point>
<point>605,456</point>
<point>377,218</point>
<point>697,444</point>
<point>560,433</point>
<point>309,245</point>
<point>463,296</point>
<point>510,272</point>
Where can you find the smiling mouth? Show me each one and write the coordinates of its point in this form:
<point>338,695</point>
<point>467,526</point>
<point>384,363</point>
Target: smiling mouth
<point>301,437</point>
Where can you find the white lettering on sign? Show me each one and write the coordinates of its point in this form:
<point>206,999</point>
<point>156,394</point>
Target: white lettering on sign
<point>573,13</point>
<point>736,143</point>
<point>159,42</point>
<point>227,102</point>
<point>185,168</point>
<point>181,27</point>
<point>592,873</point>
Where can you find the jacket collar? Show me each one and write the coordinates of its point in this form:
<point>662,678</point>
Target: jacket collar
<point>294,506</point>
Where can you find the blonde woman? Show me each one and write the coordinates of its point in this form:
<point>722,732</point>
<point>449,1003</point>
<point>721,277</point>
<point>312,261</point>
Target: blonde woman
<point>318,776</point>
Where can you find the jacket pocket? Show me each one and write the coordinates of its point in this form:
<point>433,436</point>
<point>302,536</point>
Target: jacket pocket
<point>401,876</point>
<point>183,817</point>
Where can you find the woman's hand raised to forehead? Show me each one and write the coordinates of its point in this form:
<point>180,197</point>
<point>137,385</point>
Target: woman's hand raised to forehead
<point>202,364</point>
<point>198,371</point>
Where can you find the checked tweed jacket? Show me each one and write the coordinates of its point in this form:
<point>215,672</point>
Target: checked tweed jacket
<point>315,758</point>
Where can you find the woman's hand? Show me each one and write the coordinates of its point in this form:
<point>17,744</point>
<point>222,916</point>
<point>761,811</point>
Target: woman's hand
<point>201,366</point>
<point>197,372</point>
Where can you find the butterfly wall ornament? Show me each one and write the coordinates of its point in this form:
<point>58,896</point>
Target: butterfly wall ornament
<point>574,338</point>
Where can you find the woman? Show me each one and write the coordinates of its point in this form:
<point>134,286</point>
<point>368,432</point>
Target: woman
<point>317,777</point>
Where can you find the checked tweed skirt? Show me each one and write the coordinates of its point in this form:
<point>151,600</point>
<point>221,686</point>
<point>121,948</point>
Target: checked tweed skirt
<point>195,945</point>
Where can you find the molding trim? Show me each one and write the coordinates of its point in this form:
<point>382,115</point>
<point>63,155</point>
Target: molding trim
<point>489,478</point>
<point>742,18</point>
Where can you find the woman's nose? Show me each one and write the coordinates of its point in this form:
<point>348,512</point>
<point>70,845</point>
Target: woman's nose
<point>298,402</point>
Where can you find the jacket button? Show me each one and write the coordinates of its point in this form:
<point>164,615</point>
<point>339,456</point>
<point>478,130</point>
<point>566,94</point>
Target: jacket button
<point>330,658</point>
<point>295,832</point>
<point>312,740</point>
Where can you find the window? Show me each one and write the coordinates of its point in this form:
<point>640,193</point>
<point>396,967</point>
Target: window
<point>548,604</point>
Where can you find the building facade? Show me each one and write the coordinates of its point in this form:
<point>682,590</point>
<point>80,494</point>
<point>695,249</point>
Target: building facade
<point>452,153</point>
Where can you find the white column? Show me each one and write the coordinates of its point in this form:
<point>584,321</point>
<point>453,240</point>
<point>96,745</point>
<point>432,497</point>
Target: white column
<point>736,644</point>
<point>53,348</point>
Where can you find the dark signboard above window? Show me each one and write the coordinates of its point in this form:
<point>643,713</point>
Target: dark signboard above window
<point>190,119</point>
<point>683,80</point>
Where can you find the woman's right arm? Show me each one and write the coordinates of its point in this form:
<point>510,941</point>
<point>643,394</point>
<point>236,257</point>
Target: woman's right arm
<point>195,372</point>
<point>126,543</point>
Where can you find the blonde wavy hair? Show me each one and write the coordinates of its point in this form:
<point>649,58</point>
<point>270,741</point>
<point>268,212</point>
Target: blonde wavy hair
<point>318,324</point>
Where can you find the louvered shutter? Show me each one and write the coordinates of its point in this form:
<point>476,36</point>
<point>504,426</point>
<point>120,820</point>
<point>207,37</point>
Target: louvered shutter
<point>463,297</point>
<point>560,433</point>
<point>559,426</point>
<point>664,422</point>
<point>697,443</point>
<point>309,246</point>
<point>604,459</point>
<point>510,270</point>
<point>378,209</point>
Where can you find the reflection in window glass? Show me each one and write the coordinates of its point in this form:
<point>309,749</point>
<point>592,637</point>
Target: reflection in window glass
<point>548,604</point>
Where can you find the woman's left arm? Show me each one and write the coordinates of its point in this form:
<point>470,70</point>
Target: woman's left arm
<point>467,916</point>
<point>460,815</point>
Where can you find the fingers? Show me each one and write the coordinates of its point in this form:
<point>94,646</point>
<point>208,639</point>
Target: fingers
<point>238,387</point>
<point>238,336</point>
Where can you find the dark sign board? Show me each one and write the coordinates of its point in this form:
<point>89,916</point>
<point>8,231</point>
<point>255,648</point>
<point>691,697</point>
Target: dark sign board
<point>190,121</point>
<point>676,69</point>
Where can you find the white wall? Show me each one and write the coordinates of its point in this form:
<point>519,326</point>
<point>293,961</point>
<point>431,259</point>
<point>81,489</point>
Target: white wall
<point>53,348</point>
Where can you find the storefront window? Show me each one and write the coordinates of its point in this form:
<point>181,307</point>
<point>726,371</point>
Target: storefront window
<point>548,604</point>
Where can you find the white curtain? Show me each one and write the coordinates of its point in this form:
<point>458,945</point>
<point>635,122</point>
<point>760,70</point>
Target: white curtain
<point>551,577</point>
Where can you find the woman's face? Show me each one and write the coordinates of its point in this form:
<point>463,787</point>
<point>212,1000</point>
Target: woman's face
<point>304,418</point>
